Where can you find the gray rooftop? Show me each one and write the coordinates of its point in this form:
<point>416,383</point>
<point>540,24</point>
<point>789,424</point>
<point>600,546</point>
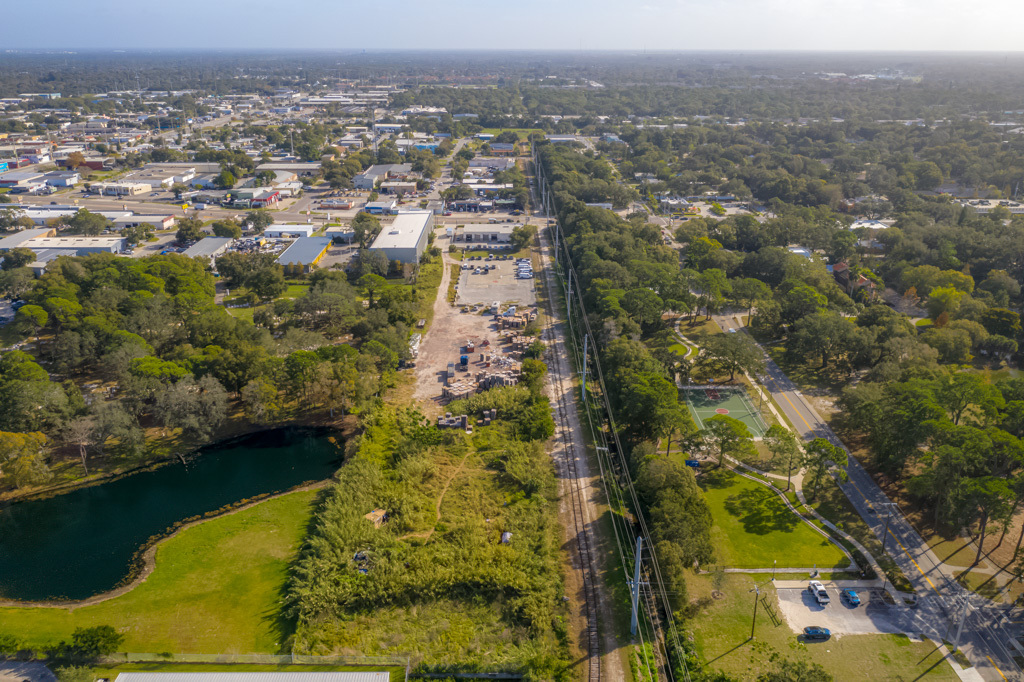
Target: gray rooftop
<point>404,232</point>
<point>19,238</point>
<point>304,251</point>
<point>255,677</point>
<point>207,246</point>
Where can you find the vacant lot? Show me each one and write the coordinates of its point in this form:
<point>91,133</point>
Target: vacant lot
<point>499,284</point>
<point>216,589</point>
<point>752,527</point>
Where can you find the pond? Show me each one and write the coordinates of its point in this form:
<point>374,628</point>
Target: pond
<point>79,544</point>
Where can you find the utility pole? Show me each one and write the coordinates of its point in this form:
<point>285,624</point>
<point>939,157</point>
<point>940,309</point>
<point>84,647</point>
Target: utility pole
<point>635,589</point>
<point>757,594</point>
<point>963,619</point>
<point>583,388</point>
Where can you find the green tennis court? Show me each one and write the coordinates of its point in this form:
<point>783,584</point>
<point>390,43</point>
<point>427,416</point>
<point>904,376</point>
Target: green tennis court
<point>705,402</point>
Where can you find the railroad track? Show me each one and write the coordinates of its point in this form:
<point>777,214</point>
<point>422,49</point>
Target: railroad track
<point>567,453</point>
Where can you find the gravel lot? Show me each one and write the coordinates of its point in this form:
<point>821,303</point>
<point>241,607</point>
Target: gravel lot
<point>499,284</point>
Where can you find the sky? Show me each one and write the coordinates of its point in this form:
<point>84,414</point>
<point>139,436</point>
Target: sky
<point>733,25</point>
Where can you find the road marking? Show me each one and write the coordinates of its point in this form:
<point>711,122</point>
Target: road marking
<point>914,561</point>
<point>806,423</point>
<point>995,666</point>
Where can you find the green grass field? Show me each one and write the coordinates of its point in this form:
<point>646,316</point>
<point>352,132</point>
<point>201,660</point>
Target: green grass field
<point>216,589</point>
<point>722,631</point>
<point>752,527</point>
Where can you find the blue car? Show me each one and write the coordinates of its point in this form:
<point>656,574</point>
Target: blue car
<point>851,597</point>
<point>814,632</point>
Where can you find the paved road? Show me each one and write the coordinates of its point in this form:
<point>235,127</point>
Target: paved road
<point>939,597</point>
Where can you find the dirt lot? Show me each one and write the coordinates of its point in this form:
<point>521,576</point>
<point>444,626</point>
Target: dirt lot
<point>444,340</point>
<point>499,284</point>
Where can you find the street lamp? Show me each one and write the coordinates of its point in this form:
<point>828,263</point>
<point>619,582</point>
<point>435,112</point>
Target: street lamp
<point>753,622</point>
<point>774,562</point>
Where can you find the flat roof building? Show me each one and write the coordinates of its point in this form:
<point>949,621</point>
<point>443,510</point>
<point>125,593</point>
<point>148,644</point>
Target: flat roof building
<point>494,234</point>
<point>80,245</point>
<point>304,253</point>
<point>381,207</point>
<point>300,168</point>
<point>13,241</point>
<point>289,230</point>
<point>406,238</point>
<point>19,178</point>
<point>208,247</point>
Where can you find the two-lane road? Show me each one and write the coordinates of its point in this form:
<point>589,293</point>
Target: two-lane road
<point>939,596</point>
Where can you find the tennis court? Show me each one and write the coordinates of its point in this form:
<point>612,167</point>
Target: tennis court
<point>705,402</point>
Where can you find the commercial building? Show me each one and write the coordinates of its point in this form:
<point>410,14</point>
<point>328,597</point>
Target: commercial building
<point>121,189</point>
<point>398,186</point>
<point>503,148</point>
<point>492,163</point>
<point>20,178</point>
<point>13,241</point>
<point>62,178</point>
<point>369,178</point>
<point>381,207</point>
<point>406,238</point>
<point>160,222</point>
<point>304,253</point>
<point>80,245</point>
<point>289,231</point>
<point>491,234</point>
<point>340,234</point>
<point>303,169</point>
<point>209,247</point>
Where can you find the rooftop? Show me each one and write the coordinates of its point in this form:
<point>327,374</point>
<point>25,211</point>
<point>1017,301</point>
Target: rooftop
<point>304,250</point>
<point>208,246</point>
<point>404,232</point>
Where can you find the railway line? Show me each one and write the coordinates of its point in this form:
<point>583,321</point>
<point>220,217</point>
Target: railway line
<point>567,454</point>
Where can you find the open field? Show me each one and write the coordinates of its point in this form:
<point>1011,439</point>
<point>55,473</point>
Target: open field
<point>216,589</point>
<point>722,631</point>
<point>752,527</point>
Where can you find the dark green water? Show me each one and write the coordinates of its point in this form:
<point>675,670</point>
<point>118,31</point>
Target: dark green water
<point>79,544</point>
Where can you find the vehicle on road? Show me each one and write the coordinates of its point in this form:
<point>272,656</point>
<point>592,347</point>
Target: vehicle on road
<point>850,597</point>
<point>818,590</point>
<point>813,632</point>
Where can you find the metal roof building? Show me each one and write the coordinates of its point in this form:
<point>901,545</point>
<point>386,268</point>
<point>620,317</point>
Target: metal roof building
<point>19,238</point>
<point>305,252</point>
<point>406,238</point>
<point>208,247</point>
<point>255,677</point>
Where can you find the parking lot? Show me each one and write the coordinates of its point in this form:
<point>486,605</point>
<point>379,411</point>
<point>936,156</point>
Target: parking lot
<point>874,616</point>
<point>499,284</point>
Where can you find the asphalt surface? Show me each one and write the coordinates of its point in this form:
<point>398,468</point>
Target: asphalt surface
<point>940,599</point>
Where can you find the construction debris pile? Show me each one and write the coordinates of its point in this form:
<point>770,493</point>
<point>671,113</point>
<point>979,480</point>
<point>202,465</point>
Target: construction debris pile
<point>450,422</point>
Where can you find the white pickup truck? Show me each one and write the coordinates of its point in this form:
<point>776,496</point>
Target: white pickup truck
<point>818,590</point>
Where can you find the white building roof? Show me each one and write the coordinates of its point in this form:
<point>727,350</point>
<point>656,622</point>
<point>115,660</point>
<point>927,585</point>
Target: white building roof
<point>404,232</point>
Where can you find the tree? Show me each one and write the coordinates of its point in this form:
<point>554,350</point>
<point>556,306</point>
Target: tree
<point>731,353</point>
<point>196,407</point>
<point>371,284</point>
<point>74,673</point>
<point>17,257</point>
<point>226,180</point>
<point>189,230</point>
<point>802,301</point>
<point>92,643</point>
<point>22,458</point>
<point>958,392</point>
<point>522,236</point>
<point>366,228</point>
<point>729,437</point>
<point>227,228</point>
<point>267,283</point>
<point>749,291</point>
<point>259,220</point>
<point>819,455</point>
<point>81,433</point>
<point>783,445</point>
<point>260,398</point>
<point>74,160</point>
<point>88,223</point>
<point>136,234</point>
<point>1002,322</point>
<point>698,252</point>
<point>31,318</point>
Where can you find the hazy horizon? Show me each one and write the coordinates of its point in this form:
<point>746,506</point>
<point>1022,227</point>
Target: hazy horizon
<point>897,26</point>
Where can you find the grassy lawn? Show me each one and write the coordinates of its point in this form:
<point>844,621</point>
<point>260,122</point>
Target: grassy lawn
<point>722,629</point>
<point>216,589</point>
<point>752,527</point>
<point>112,671</point>
<point>523,133</point>
<point>295,290</point>
<point>698,325</point>
<point>924,322</point>
<point>241,313</point>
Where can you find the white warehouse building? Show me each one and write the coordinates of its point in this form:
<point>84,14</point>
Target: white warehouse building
<point>406,238</point>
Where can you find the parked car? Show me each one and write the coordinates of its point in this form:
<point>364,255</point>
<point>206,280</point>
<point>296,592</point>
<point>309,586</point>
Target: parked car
<point>813,632</point>
<point>818,590</point>
<point>851,597</point>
